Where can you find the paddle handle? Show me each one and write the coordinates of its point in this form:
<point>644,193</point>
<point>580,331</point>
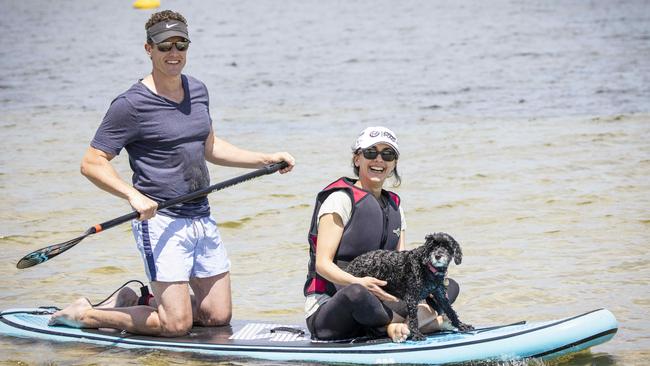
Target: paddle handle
<point>268,169</point>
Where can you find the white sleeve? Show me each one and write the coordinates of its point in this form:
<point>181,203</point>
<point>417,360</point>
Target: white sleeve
<point>401,213</point>
<point>339,203</point>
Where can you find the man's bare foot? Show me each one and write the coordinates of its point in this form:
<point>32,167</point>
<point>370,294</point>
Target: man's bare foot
<point>398,332</point>
<point>125,297</point>
<point>72,315</point>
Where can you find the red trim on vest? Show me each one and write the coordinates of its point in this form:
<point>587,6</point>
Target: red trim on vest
<point>338,184</point>
<point>357,192</point>
<point>317,285</point>
<point>394,197</point>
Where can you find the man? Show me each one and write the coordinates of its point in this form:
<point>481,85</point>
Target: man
<point>164,124</point>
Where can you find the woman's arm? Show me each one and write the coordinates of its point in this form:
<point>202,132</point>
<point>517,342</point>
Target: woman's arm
<point>330,232</point>
<point>402,241</point>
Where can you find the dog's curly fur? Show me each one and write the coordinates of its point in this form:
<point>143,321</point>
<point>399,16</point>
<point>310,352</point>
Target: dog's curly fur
<point>415,274</point>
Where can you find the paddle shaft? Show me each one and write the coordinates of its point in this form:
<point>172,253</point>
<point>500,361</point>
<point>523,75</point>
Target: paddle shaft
<point>272,168</point>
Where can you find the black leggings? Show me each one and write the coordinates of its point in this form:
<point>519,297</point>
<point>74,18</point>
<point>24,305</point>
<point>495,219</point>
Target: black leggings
<point>354,312</point>
<point>350,313</point>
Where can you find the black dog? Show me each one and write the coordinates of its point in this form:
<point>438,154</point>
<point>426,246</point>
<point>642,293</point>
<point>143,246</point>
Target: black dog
<point>415,274</point>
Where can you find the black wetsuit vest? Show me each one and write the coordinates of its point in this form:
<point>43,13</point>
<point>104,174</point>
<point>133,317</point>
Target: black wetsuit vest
<point>370,227</point>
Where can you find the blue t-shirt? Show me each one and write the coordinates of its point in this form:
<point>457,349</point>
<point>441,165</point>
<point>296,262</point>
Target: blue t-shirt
<point>165,142</point>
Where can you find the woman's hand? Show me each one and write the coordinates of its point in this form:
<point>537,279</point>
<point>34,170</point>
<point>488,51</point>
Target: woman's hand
<point>375,285</point>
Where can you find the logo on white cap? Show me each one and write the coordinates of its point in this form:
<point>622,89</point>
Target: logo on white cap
<point>375,135</point>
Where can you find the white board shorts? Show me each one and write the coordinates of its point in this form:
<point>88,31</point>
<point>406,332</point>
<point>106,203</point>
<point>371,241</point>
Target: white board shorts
<point>177,249</point>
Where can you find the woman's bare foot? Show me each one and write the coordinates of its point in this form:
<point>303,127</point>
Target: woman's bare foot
<point>72,315</point>
<point>445,324</point>
<point>125,297</point>
<point>398,332</point>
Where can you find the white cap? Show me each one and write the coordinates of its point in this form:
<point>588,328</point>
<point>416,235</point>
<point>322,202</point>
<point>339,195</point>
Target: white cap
<point>375,135</point>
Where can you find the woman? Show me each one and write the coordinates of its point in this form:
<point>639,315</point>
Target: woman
<point>352,217</point>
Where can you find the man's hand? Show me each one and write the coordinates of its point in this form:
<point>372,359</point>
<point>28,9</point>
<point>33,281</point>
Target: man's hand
<point>145,206</point>
<point>282,156</point>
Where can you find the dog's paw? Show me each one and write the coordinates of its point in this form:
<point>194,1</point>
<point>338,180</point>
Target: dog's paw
<point>417,336</point>
<point>464,327</point>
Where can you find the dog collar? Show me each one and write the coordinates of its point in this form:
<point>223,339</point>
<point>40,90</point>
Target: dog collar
<point>437,271</point>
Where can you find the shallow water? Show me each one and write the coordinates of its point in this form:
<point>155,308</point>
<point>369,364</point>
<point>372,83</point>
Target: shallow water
<point>524,130</point>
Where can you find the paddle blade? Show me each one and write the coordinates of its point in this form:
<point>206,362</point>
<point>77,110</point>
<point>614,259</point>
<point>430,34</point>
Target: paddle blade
<point>47,253</point>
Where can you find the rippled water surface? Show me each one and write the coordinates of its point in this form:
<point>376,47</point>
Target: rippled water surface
<point>524,128</point>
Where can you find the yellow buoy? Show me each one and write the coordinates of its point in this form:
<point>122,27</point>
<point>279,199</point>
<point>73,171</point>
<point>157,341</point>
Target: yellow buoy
<point>146,4</point>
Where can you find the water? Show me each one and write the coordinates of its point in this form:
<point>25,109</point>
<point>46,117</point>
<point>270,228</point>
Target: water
<point>524,130</point>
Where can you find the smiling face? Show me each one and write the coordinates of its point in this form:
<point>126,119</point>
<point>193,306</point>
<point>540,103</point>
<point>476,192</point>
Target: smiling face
<point>168,63</point>
<point>373,172</point>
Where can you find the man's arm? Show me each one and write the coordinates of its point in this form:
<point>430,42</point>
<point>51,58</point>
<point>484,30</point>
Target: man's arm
<point>96,166</point>
<point>221,152</point>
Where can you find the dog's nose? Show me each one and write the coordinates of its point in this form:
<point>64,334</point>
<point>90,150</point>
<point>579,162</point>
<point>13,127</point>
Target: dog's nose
<point>438,257</point>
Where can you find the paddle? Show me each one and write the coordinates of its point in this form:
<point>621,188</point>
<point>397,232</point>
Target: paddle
<point>49,252</point>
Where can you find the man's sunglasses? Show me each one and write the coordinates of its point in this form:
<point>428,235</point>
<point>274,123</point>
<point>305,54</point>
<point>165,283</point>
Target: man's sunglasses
<point>167,46</point>
<point>387,154</point>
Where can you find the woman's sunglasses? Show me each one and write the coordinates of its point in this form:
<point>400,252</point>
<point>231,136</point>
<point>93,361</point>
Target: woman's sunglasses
<point>386,154</point>
<point>167,46</point>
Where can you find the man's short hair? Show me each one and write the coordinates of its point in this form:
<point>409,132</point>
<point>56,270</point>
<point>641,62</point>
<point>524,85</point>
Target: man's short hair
<point>162,16</point>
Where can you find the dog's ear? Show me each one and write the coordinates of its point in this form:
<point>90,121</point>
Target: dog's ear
<point>429,243</point>
<point>458,253</point>
<point>427,247</point>
<point>429,239</point>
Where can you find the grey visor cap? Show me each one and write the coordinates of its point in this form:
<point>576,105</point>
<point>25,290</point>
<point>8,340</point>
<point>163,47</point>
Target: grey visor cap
<point>167,29</point>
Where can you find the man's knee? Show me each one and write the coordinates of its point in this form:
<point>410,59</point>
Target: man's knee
<point>175,325</point>
<point>175,329</point>
<point>214,318</point>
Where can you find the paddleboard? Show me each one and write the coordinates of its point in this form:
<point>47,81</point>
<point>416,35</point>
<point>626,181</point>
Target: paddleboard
<point>281,342</point>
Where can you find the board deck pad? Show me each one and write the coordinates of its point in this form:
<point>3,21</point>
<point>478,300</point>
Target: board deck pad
<point>286,342</point>
<point>270,332</point>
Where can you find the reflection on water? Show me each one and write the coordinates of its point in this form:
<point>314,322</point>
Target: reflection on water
<point>548,196</point>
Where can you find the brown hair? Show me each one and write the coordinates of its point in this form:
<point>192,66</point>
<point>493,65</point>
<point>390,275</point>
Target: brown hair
<point>162,16</point>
